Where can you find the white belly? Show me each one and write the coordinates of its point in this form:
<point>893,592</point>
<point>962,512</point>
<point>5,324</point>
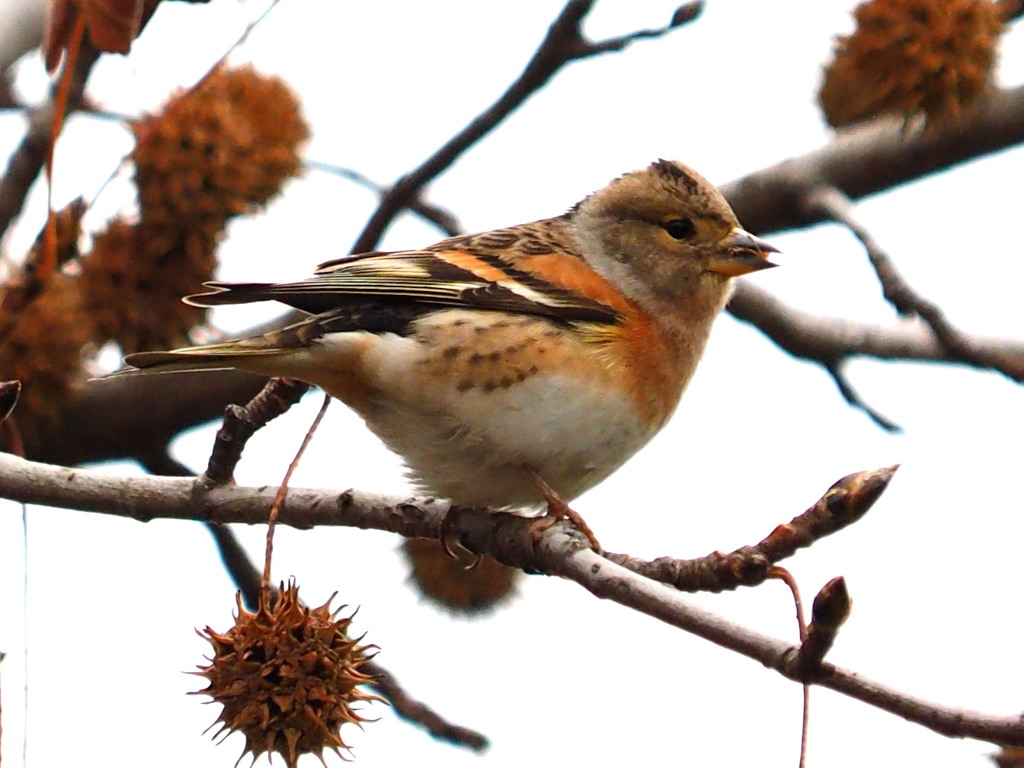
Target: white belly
<point>466,430</point>
<point>471,447</point>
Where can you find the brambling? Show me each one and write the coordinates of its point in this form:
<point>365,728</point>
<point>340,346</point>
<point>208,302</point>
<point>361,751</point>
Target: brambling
<point>517,367</point>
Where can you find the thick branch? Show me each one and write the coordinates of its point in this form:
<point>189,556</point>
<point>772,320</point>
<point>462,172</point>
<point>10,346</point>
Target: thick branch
<point>510,539</point>
<point>830,339</point>
<point>872,158</point>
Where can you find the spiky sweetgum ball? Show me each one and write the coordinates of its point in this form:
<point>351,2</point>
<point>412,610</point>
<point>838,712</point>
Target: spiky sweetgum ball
<point>288,677</point>
<point>134,297</point>
<point>912,57</point>
<point>454,583</point>
<point>217,150</point>
<point>220,149</point>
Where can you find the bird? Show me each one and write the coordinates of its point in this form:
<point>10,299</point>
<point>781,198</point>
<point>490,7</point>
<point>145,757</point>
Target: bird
<point>516,368</point>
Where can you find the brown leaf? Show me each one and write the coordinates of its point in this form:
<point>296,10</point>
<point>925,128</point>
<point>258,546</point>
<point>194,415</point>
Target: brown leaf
<point>111,24</point>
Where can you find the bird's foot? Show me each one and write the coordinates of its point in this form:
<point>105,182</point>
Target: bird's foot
<point>559,510</point>
<point>449,541</point>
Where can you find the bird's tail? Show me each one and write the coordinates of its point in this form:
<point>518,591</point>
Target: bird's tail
<point>231,293</point>
<point>256,353</point>
<point>212,357</point>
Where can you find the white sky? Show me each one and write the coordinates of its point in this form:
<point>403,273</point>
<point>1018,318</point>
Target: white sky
<point>558,678</point>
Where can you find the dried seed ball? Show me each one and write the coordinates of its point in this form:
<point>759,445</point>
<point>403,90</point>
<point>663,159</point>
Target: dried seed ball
<point>43,348</point>
<point>912,57</point>
<point>217,150</point>
<point>288,677</point>
<point>133,296</point>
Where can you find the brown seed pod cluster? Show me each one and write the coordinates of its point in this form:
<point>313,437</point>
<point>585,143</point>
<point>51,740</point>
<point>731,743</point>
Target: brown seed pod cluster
<point>44,329</point>
<point>216,151</point>
<point>912,57</point>
<point>133,296</point>
<point>445,581</point>
<point>287,677</point>
<point>44,350</point>
<point>221,149</point>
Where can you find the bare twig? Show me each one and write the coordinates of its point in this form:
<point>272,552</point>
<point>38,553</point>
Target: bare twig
<point>560,551</point>
<point>441,218</point>
<point>831,339</point>
<point>851,396</point>
<point>845,502</point>
<point>415,711</point>
<point>30,155</point>
<point>282,493</point>
<point>830,202</point>
<point>240,423</point>
<point>829,612</point>
<point>563,44</point>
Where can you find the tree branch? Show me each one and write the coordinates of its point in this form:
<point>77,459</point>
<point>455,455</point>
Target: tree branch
<point>561,551</point>
<point>872,158</point>
<point>563,43</point>
<point>830,339</point>
<point>832,203</point>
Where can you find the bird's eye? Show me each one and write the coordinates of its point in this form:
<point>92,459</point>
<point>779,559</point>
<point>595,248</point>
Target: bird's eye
<point>680,229</point>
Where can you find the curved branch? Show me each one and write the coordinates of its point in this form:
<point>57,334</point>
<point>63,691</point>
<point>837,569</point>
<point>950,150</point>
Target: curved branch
<point>872,158</point>
<point>830,339</point>
<point>510,539</point>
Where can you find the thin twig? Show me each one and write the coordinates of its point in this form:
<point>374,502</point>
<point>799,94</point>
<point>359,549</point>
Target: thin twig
<point>415,711</point>
<point>30,155</point>
<point>282,492</point>
<point>832,203</point>
<point>441,218</point>
<point>843,504</point>
<point>563,44</point>
<point>242,422</point>
<point>853,398</point>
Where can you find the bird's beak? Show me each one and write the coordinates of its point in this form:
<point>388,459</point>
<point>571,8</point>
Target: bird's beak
<point>740,253</point>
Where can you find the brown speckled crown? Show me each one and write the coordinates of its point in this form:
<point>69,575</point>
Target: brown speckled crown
<point>912,57</point>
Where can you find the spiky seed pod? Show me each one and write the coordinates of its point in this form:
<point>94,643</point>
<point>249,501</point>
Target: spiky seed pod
<point>134,298</point>
<point>218,150</point>
<point>912,57</point>
<point>446,581</point>
<point>287,677</point>
<point>215,151</point>
<point>43,348</point>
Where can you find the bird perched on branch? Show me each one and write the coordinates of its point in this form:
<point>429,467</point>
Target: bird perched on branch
<point>515,368</point>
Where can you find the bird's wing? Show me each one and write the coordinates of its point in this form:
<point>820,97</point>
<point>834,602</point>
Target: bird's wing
<point>425,279</point>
